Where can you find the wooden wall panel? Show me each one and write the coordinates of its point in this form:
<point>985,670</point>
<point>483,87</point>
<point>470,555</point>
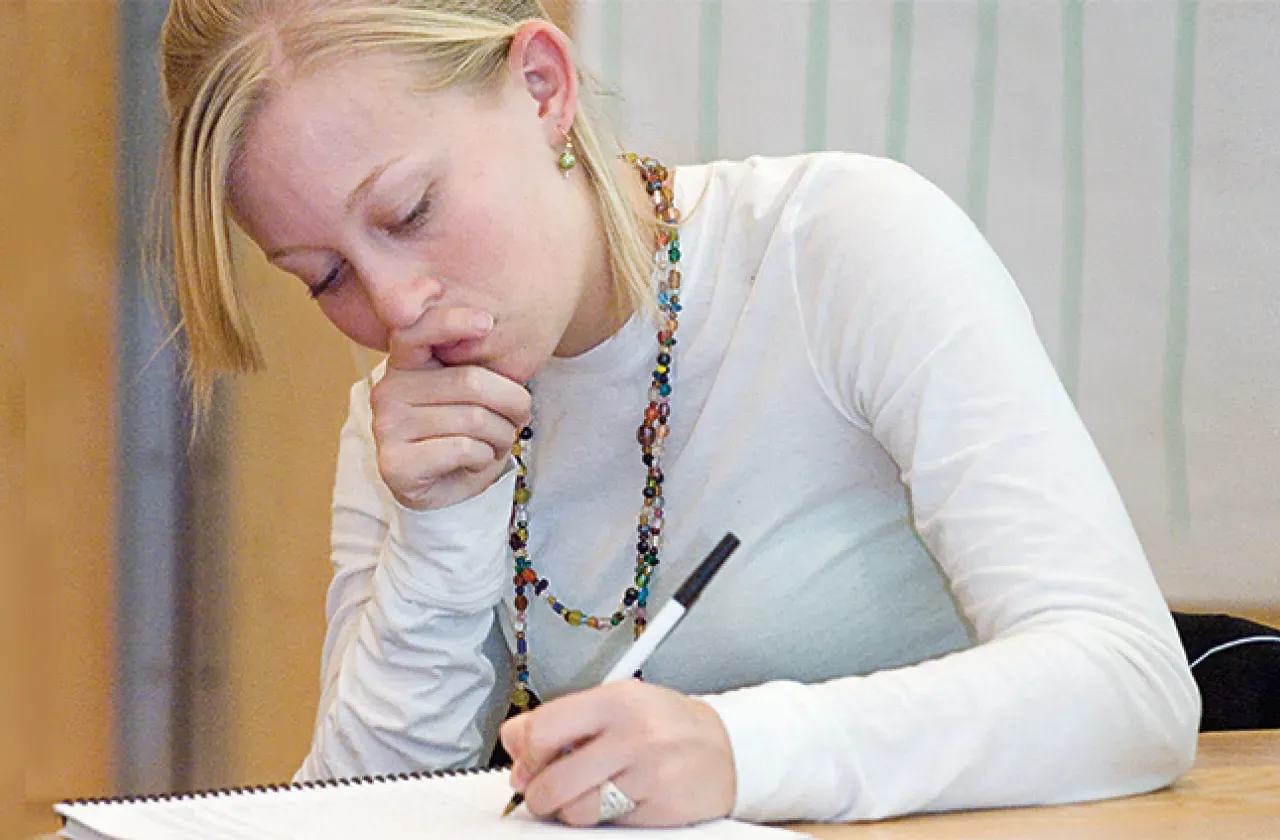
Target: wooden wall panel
<point>70,109</point>
<point>63,210</point>
<point>282,432</point>
<point>13,629</point>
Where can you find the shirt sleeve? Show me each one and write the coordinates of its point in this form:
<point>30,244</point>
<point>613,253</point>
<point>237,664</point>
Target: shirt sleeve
<point>408,667</point>
<point>1077,688</point>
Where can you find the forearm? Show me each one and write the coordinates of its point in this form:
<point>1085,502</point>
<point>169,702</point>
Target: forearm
<point>1073,707</point>
<point>406,677</point>
<point>406,694</point>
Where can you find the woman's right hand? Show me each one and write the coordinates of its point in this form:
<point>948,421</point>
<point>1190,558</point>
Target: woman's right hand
<point>443,433</point>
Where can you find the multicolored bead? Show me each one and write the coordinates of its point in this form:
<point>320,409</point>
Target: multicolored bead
<point>650,435</point>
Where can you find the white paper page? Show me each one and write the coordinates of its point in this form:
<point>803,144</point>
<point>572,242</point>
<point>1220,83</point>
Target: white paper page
<point>467,806</point>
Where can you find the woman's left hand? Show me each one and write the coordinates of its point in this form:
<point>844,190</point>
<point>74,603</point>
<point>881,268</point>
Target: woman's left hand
<point>668,752</point>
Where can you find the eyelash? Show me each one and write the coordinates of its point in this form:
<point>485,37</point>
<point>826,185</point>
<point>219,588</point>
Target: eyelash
<point>414,220</point>
<point>330,280</point>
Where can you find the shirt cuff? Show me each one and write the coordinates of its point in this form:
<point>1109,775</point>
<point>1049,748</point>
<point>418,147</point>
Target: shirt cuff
<point>779,772</point>
<point>453,557</point>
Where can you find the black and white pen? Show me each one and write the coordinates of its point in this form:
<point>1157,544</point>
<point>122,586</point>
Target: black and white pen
<point>662,624</point>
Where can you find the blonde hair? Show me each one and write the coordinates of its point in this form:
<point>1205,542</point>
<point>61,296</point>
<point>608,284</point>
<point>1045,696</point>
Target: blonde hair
<point>220,59</point>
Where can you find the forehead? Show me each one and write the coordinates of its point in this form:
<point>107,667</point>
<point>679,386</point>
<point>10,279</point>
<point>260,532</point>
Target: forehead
<point>320,129</point>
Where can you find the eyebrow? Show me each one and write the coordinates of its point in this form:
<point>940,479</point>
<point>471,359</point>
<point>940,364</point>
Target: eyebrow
<point>356,196</point>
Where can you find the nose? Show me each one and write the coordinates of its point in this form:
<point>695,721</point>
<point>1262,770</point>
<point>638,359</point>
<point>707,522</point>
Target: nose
<point>400,298</point>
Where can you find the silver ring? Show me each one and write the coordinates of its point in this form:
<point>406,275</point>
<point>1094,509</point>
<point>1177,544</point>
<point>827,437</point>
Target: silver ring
<point>614,803</point>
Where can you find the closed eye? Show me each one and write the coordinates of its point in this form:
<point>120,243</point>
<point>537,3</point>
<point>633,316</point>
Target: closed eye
<point>414,219</point>
<point>329,282</point>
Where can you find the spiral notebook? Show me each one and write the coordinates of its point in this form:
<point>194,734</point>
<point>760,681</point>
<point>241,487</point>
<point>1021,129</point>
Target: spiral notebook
<point>464,804</point>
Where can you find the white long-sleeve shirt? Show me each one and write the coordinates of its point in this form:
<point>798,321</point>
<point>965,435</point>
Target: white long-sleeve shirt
<point>939,601</point>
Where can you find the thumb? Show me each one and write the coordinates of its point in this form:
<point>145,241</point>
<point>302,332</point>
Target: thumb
<point>404,354</point>
<point>411,348</point>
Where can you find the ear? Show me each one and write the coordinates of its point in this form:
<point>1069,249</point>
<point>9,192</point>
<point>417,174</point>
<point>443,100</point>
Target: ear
<point>540,62</point>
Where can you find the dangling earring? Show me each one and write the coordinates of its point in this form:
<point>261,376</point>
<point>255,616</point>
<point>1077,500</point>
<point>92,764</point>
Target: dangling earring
<point>567,160</point>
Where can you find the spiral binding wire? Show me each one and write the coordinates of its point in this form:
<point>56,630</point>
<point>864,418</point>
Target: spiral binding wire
<point>253,790</point>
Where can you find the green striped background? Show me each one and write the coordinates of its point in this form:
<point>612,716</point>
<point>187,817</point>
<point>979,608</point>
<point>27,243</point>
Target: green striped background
<point>899,20</point>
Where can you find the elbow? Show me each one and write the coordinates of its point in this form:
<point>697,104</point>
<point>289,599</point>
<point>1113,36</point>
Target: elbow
<point>1170,749</point>
<point>1165,758</point>
<point>1146,718</point>
<point>1165,720</point>
<point>1182,727</point>
<point>311,769</point>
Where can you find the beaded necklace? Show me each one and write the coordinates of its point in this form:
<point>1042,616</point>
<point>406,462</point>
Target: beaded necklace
<point>651,436</point>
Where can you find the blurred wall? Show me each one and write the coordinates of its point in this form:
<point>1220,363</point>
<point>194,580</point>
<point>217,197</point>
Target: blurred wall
<point>57,217</point>
<point>1122,157</point>
<point>12,422</point>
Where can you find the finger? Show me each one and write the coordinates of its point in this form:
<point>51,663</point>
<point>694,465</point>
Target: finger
<point>416,466</point>
<point>570,720</point>
<point>584,810</point>
<point>461,385</point>
<point>513,733</point>
<point>574,775</point>
<point>443,455</point>
<point>411,348</point>
<point>443,421</point>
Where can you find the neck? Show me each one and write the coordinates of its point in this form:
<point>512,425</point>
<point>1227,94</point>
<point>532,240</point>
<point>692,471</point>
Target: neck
<point>601,309</point>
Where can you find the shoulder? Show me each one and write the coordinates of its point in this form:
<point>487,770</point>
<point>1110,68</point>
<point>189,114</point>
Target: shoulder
<point>849,180</point>
<point>824,202</point>
<point>882,261</point>
<point>878,207</point>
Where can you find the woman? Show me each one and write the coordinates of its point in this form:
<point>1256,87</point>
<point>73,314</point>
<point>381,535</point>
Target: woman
<point>939,602</point>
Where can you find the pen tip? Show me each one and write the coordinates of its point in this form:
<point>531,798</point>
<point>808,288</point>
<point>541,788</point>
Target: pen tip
<point>513,804</point>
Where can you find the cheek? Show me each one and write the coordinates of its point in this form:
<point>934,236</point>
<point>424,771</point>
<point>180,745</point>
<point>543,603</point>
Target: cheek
<point>355,318</point>
<point>508,254</point>
<point>498,234</point>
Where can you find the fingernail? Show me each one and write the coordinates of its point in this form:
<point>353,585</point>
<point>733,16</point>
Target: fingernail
<point>483,322</point>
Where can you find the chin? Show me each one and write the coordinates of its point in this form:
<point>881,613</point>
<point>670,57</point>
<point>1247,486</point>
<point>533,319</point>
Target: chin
<point>519,368</point>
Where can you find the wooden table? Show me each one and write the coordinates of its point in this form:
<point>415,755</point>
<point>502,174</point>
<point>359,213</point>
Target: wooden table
<point>1232,793</point>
